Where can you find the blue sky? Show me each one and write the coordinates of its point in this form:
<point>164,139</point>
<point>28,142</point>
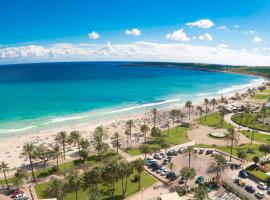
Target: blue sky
<point>241,25</point>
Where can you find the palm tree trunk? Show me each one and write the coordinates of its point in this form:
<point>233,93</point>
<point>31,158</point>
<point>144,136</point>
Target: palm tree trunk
<point>5,176</point>
<point>76,195</point>
<point>231,152</point>
<point>32,168</point>
<point>139,182</point>
<point>64,150</point>
<point>126,184</point>
<point>189,160</point>
<point>189,113</point>
<point>79,148</point>
<point>57,163</point>
<point>122,182</point>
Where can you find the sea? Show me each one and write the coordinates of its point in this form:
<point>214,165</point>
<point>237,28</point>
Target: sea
<point>47,95</point>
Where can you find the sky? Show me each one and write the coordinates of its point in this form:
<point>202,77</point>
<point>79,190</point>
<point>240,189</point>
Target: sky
<point>209,31</point>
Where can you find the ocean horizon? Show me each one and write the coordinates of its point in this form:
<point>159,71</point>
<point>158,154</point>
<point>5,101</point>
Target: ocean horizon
<point>47,95</point>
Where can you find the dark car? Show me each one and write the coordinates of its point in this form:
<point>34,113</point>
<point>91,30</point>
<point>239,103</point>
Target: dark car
<point>243,174</point>
<point>169,158</point>
<point>182,180</point>
<point>165,162</point>
<point>208,152</point>
<point>250,189</point>
<point>172,176</point>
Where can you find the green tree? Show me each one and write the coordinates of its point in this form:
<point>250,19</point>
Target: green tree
<point>200,110</point>
<point>168,127</point>
<point>191,154</point>
<point>21,176</point>
<point>5,169</point>
<point>28,152</point>
<point>256,160</point>
<point>128,131</point>
<point>43,153</point>
<point>116,141</point>
<point>233,138</point>
<point>125,170</point>
<point>173,114</point>
<point>56,188</point>
<point>241,155</point>
<point>74,183</point>
<point>165,145</point>
<point>138,166</point>
<point>99,135</point>
<point>145,149</point>
<point>201,192</point>
<point>145,129</point>
<point>206,102</point>
<point>264,149</point>
<point>154,113</point>
<point>75,138</point>
<point>221,115</point>
<point>217,165</point>
<point>188,173</point>
<point>188,105</point>
<point>92,178</point>
<point>56,154</point>
<point>62,139</point>
<point>213,102</point>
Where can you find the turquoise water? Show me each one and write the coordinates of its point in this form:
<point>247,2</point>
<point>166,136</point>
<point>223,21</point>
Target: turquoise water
<point>37,96</point>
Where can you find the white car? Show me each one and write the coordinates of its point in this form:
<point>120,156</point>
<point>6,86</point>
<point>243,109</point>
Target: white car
<point>262,186</point>
<point>259,195</point>
<point>164,172</point>
<point>158,156</point>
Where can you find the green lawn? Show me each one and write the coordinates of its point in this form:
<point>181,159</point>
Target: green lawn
<point>245,147</point>
<point>213,120</point>
<point>173,138</point>
<point>267,90</point>
<point>250,120</point>
<point>146,181</point>
<point>92,160</point>
<point>257,173</point>
<point>257,136</point>
<point>260,96</point>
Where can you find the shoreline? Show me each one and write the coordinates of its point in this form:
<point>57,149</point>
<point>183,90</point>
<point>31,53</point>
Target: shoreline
<point>10,148</point>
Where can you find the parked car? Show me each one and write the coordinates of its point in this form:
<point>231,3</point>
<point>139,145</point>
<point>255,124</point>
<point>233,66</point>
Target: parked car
<point>262,186</point>
<point>259,195</point>
<point>164,172</point>
<point>158,156</point>
<point>170,153</point>
<point>250,189</point>
<point>201,151</point>
<point>169,158</point>
<point>17,193</point>
<point>180,150</point>
<point>199,180</point>
<point>182,180</point>
<point>172,176</point>
<point>243,174</point>
<point>162,154</point>
<point>208,152</point>
<point>240,182</point>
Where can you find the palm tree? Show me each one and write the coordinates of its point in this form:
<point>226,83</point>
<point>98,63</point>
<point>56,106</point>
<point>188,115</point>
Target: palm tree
<point>199,108</point>
<point>264,148</point>
<point>42,152</point>
<point>116,141</point>
<point>99,135</point>
<point>189,106</point>
<point>20,176</point>
<point>217,165</point>
<point>74,183</point>
<point>138,166</point>
<point>188,173</point>
<point>28,152</point>
<point>263,113</point>
<point>171,166</point>
<point>125,170</point>
<point>252,136</point>
<point>232,137</point>
<point>190,153</point>
<point>241,155</point>
<point>56,188</point>
<point>144,149</point>
<point>145,129</point>
<point>129,125</point>
<point>168,127</point>
<point>165,145</point>
<point>173,114</point>
<point>178,115</point>
<point>56,153</point>
<point>213,102</point>
<point>4,168</point>
<point>206,102</point>
<point>92,178</point>
<point>221,115</point>
<point>201,193</point>
<point>75,138</point>
<point>62,139</point>
<point>154,113</point>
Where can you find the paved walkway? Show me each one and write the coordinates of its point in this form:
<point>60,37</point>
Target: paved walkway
<point>228,119</point>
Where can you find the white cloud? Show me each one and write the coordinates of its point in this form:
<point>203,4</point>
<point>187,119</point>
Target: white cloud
<point>133,32</point>
<point>266,48</point>
<point>223,46</point>
<point>178,35</point>
<point>236,26</point>
<point>94,35</point>
<point>251,31</point>
<point>256,50</point>
<point>139,51</point>
<point>206,36</point>
<point>222,28</point>
<point>257,39</point>
<point>202,23</point>
<point>244,50</point>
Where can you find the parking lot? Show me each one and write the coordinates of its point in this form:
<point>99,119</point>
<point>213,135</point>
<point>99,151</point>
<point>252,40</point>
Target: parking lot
<point>200,163</point>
